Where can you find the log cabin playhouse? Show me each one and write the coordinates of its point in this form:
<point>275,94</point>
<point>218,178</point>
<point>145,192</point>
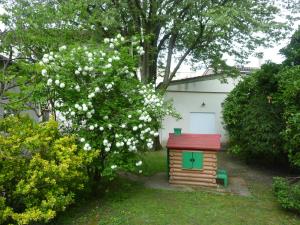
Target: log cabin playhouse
<point>192,159</point>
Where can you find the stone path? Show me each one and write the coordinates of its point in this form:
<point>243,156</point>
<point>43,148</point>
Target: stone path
<point>238,185</point>
<point>239,173</point>
<point>159,181</point>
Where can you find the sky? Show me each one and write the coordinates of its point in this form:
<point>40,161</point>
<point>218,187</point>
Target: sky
<point>269,54</point>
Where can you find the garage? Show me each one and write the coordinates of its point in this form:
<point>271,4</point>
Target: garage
<point>199,101</point>
<point>202,123</point>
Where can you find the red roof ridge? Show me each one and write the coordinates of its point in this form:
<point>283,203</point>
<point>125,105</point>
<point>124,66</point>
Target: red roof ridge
<point>194,141</point>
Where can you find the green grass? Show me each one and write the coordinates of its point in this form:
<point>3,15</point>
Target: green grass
<point>154,162</point>
<point>126,202</point>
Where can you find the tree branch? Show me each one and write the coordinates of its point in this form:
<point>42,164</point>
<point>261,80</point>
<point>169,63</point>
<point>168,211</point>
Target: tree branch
<point>163,40</point>
<point>39,114</point>
<point>169,57</point>
<point>183,57</point>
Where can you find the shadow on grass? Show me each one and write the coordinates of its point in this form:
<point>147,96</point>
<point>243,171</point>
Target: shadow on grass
<point>86,209</point>
<point>127,202</point>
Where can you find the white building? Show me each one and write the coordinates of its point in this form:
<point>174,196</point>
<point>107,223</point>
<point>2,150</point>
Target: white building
<point>199,101</point>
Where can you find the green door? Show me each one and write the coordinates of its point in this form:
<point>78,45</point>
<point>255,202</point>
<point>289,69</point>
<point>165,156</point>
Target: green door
<point>192,160</point>
<point>187,160</point>
<point>198,160</point>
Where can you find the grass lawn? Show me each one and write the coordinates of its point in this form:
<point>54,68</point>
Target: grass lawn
<point>127,202</point>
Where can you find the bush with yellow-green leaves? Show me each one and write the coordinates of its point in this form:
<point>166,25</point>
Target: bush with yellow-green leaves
<point>41,170</point>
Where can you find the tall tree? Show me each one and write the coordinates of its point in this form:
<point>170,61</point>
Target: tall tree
<point>202,31</point>
<point>170,31</point>
<point>292,50</point>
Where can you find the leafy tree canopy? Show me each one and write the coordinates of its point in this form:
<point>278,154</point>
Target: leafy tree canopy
<point>186,30</point>
<point>292,50</point>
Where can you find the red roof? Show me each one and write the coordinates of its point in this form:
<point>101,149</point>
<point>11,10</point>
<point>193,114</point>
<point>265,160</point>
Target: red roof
<point>195,142</point>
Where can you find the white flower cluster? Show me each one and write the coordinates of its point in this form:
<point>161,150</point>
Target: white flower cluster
<point>140,50</point>
<point>56,82</point>
<point>47,58</point>
<point>77,88</point>
<point>86,69</point>
<point>139,163</point>
<point>62,48</point>
<point>82,107</point>
<point>114,41</point>
<point>109,86</point>
<point>149,143</point>
<point>107,145</point>
<point>60,84</point>
<point>119,144</point>
<point>92,127</point>
<point>145,117</point>
<point>90,114</point>
<point>150,97</point>
<point>149,140</point>
<point>131,143</point>
<point>44,72</point>
<point>87,147</point>
<point>58,103</point>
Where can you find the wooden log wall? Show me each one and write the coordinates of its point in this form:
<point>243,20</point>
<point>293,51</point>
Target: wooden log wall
<point>205,177</point>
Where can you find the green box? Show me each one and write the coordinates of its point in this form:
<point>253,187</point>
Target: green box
<point>177,131</point>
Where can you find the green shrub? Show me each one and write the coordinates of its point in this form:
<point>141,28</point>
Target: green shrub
<point>252,117</point>
<point>40,170</point>
<point>287,194</point>
<point>289,95</point>
<point>96,90</point>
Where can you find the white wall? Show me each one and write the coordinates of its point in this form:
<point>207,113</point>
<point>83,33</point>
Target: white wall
<point>31,113</point>
<point>209,84</point>
<point>188,97</point>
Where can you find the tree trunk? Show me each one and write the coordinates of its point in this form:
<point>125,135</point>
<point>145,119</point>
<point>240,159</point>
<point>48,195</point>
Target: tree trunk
<point>148,65</point>
<point>157,145</point>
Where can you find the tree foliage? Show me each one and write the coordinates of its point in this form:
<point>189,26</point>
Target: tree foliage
<point>292,50</point>
<point>170,32</point>
<point>196,31</point>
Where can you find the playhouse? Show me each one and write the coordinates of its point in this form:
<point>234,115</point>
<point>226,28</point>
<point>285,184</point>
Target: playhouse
<point>192,159</point>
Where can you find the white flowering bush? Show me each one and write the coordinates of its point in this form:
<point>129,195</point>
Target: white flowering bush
<point>96,90</point>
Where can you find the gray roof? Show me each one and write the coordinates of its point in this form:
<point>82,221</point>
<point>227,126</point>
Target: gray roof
<point>209,75</point>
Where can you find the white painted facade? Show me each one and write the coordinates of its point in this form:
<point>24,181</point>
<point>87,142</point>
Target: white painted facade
<point>199,102</point>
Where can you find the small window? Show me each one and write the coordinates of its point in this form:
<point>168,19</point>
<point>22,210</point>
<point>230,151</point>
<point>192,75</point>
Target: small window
<point>192,160</point>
